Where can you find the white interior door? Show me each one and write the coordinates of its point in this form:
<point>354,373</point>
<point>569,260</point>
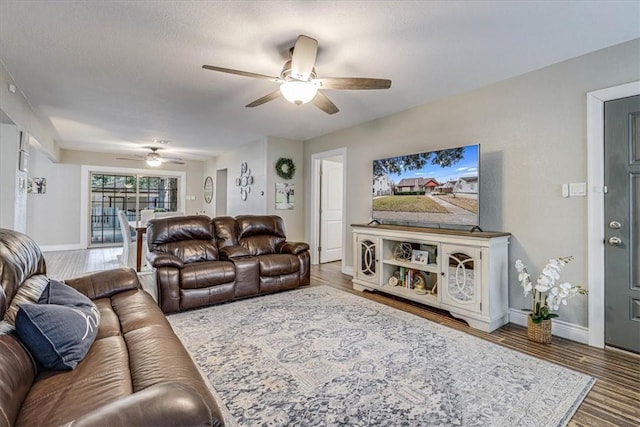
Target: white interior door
<point>331,211</point>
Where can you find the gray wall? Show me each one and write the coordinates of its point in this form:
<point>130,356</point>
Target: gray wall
<point>294,218</point>
<point>532,131</point>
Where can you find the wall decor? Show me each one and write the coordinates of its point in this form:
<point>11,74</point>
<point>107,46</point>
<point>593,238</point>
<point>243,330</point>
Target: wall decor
<point>285,168</point>
<point>208,189</point>
<point>37,185</point>
<point>244,181</point>
<point>284,195</point>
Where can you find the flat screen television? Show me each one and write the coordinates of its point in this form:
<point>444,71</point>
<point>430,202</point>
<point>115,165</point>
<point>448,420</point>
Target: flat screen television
<point>437,188</point>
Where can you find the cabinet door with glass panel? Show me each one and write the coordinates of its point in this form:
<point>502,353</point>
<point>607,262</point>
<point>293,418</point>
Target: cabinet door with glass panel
<point>367,258</point>
<point>460,269</point>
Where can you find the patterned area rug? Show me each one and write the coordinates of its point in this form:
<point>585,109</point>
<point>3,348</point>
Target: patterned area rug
<point>322,357</point>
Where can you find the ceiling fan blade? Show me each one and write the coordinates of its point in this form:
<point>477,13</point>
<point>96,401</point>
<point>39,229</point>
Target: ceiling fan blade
<point>126,158</point>
<point>170,158</point>
<point>176,162</point>
<point>270,97</point>
<point>304,58</point>
<point>353,83</point>
<point>324,103</point>
<point>242,73</point>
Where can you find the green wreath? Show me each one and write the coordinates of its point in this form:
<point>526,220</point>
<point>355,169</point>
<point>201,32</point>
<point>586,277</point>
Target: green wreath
<point>285,168</point>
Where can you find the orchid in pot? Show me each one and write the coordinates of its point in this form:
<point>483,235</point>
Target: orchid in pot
<point>547,293</point>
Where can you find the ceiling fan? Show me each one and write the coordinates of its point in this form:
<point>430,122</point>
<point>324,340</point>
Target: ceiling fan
<point>299,82</point>
<point>154,159</point>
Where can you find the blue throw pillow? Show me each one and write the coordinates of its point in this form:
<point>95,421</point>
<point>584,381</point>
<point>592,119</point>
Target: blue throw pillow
<point>59,330</point>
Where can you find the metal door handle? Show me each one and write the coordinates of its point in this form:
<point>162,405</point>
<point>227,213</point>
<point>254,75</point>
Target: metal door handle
<point>615,241</point>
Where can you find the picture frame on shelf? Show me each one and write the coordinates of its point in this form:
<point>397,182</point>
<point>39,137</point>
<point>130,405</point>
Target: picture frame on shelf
<point>419,257</point>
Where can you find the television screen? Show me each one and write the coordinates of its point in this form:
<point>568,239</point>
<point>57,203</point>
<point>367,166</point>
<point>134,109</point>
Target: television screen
<point>435,188</point>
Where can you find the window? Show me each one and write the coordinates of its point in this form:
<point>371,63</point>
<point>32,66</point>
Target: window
<point>131,194</point>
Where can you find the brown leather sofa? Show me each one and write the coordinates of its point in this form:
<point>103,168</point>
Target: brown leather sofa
<point>200,261</point>
<point>136,371</point>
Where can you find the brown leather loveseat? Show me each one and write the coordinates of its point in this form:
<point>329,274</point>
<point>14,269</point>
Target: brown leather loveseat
<point>136,371</point>
<point>200,261</point>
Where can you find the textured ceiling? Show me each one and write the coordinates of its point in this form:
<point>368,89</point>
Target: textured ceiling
<point>114,76</point>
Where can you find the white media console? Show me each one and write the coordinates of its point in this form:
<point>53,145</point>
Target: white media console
<point>460,271</point>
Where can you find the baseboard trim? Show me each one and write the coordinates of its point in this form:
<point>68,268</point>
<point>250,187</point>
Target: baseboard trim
<point>560,328</point>
<point>69,247</point>
<point>348,270</point>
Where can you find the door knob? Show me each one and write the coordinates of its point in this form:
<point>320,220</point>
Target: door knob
<point>615,225</point>
<point>615,241</point>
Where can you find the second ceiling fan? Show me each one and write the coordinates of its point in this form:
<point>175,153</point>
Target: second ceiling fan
<point>299,83</point>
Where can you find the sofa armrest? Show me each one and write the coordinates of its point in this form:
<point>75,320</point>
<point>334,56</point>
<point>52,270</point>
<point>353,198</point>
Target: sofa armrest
<point>293,247</point>
<point>159,405</point>
<point>103,284</point>
<point>161,259</point>
<point>231,252</point>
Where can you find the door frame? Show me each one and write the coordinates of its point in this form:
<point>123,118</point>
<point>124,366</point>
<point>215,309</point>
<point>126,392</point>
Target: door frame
<point>595,203</point>
<point>85,191</point>
<point>314,238</point>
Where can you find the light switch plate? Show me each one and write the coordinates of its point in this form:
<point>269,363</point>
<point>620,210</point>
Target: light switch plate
<point>577,189</point>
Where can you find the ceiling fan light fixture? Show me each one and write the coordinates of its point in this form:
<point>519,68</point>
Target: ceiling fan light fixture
<point>153,161</point>
<point>298,92</point>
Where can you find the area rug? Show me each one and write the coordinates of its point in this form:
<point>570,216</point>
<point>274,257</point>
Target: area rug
<point>322,357</point>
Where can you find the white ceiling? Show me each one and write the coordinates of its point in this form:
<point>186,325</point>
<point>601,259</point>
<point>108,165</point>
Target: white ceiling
<point>114,76</point>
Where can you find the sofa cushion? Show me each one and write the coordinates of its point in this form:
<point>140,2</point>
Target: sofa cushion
<point>262,234</point>
<point>205,274</point>
<point>58,397</point>
<point>59,330</point>
<point>28,292</point>
<point>278,264</point>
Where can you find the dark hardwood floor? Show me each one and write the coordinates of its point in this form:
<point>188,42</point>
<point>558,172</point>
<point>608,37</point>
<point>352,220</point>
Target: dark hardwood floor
<point>613,401</point>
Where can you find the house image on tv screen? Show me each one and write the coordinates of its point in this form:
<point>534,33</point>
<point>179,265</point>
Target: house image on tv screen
<point>433,188</point>
<point>382,186</point>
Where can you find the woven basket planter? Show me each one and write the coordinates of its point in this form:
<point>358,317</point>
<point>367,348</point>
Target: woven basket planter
<point>539,332</point>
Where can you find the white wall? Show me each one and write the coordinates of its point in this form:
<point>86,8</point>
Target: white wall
<point>293,218</point>
<point>53,218</point>
<point>532,131</point>
<point>16,107</point>
<point>255,155</point>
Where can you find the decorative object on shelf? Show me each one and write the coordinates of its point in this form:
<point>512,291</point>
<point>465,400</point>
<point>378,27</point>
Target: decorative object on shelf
<point>284,195</point>
<point>420,284</point>
<point>37,185</point>
<point>419,257</point>
<point>285,168</point>
<point>547,295</point>
<point>394,280</point>
<point>244,181</point>
<point>208,189</point>
<point>402,251</point>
